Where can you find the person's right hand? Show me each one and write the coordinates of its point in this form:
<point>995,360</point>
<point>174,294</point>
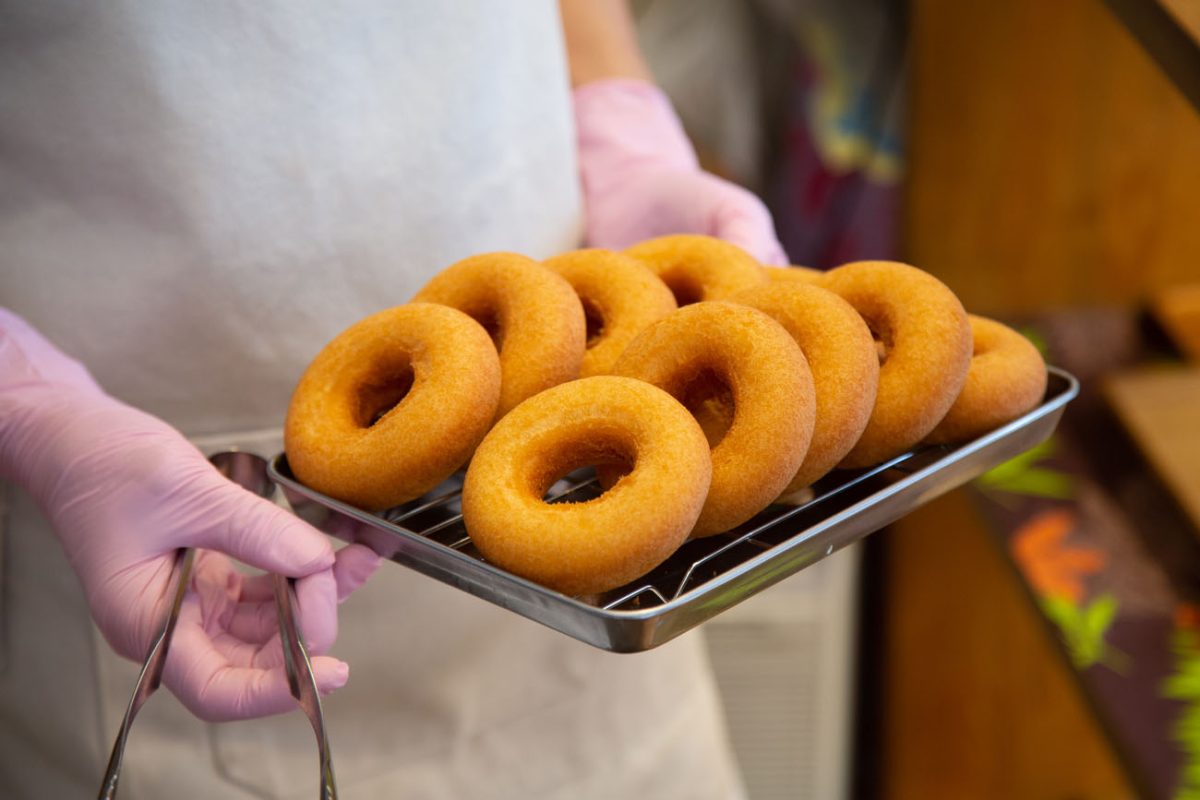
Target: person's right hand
<point>124,491</point>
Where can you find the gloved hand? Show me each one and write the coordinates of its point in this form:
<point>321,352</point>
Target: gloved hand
<point>124,491</point>
<point>641,177</point>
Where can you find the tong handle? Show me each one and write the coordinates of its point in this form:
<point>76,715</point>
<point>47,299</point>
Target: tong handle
<point>152,668</point>
<point>301,682</point>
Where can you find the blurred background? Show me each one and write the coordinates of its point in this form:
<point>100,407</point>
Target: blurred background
<point>1035,634</point>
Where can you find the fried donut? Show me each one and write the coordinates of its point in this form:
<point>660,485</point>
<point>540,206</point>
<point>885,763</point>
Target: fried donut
<point>600,544</point>
<point>792,274</point>
<point>393,405</point>
<point>926,339</point>
<point>844,364</point>
<point>733,357</point>
<point>620,298</point>
<point>533,315</point>
<point>1007,377</point>
<point>698,267</point>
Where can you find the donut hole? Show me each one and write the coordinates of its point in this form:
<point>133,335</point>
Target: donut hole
<point>490,321</point>
<point>881,333</point>
<point>610,452</point>
<point>594,322</point>
<point>382,393</point>
<point>687,290</point>
<point>709,398</point>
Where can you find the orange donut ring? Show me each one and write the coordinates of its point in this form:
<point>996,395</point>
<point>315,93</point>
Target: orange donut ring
<point>620,298</point>
<point>533,315</point>
<point>393,405</point>
<point>1007,377</point>
<point>793,274</point>
<point>844,364</point>
<point>927,340</point>
<point>600,544</point>
<point>697,267</point>
<point>745,361</point>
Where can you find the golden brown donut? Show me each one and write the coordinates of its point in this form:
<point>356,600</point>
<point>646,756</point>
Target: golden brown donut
<point>792,274</point>
<point>698,267</point>
<point>393,405</point>
<point>620,298</point>
<point>533,315</point>
<point>927,340</point>
<point>600,544</point>
<point>714,356</point>
<point>1007,377</point>
<point>844,364</point>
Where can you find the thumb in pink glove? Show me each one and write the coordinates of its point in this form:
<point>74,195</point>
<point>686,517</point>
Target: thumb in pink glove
<point>641,177</point>
<point>124,491</point>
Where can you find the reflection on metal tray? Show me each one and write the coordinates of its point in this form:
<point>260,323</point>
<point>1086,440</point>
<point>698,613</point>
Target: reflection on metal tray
<point>705,576</point>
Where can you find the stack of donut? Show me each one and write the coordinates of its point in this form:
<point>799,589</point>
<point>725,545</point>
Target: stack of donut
<point>701,385</point>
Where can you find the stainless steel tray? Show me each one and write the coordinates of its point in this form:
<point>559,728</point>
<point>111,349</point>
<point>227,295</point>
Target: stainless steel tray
<point>705,576</point>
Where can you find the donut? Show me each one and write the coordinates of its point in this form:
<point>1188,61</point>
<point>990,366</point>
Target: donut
<point>620,298</point>
<point>714,356</point>
<point>792,274</point>
<point>597,545</point>
<point>698,267</point>
<point>1007,377</point>
<point>841,355</point>
<point>393,405</point>
<point>533,315</point>
<point>926,340</point>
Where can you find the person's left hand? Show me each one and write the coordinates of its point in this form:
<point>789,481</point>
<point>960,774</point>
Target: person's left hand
<point>641,177</point>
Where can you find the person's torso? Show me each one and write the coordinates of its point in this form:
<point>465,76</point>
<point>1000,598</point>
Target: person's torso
<point>195,197</point>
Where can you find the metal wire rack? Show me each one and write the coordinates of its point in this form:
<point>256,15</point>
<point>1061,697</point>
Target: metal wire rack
<point>705,576</point>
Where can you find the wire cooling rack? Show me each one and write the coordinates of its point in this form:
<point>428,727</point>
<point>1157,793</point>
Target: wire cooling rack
<point>705,576</point>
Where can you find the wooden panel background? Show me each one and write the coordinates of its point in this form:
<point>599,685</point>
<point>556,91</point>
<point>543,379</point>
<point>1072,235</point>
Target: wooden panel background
<point>1051,164</point>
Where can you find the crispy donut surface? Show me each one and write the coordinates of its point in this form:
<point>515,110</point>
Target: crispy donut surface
<point>533,315</point>
<point>696,267</point>
<point>927,344</point>
<point>729,356</point>
<point>600,544</point>
<point>393,405</point>
<point>844,364</point>
<point>620,297</point>
<point>1007,378</point>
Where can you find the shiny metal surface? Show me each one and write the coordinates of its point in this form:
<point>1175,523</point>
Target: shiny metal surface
<point>705,576</point>
<point>249,471</point>
<point>150,677</point>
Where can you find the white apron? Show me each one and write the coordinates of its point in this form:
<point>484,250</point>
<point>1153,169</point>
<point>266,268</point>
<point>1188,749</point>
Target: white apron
<point>194,198</point>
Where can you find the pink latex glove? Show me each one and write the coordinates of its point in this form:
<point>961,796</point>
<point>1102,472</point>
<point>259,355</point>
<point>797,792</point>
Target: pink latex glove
<point>124,491</point>
<point>641,177</point>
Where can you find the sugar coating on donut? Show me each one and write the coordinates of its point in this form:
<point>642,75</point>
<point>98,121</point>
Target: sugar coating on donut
<point>393,405</point>
<point>716,355</point>
<point>697,267</point>
<point>1007,378</point>
<point>842,357</point>
<point>603,543</point>
<point>534,316</point>
<point>620,297</point>
<point>926,340</point>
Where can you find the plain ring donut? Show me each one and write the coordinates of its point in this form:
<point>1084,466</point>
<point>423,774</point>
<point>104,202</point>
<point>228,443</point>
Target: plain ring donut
<point>1007,378</point>
<point>845,368</point>
<point>533,315</point>
<point>620,298</point>
<point>393,405</point>
<point>696,267</point>
<point>606,542</point>
<point>722,358</point>
<point>926,341</point>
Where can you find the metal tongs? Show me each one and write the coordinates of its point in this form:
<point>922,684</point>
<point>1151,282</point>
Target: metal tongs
<point>249,471</point>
